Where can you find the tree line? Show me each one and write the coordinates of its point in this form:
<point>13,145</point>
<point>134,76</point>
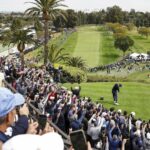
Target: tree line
<point>112,14</point>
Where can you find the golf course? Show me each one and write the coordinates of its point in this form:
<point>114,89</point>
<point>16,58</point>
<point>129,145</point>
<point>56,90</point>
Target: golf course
<point>96,47</point>
<point>132,97</point>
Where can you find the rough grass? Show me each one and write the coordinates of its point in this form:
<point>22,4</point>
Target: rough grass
<point>141,43</point>
<point>132,97</point>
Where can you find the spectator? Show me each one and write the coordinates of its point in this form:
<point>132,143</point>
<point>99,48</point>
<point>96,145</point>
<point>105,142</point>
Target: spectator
<point>76,91</point>
<point>8,104</point>
<point>146,137</point>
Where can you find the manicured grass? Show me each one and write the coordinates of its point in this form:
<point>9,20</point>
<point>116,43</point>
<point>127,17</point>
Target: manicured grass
<point>132,97</point>
<point>88,45</point>
<point>95,47</point>
<point>110,53</point>
<point>141,43</point>
<point>70,43</point>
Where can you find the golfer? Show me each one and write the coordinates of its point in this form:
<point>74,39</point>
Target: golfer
<point>115,91</point>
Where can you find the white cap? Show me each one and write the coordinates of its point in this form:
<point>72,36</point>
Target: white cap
<point>69,92</point>
<point>148,136</point>
<point>119,110</point>
<point>76,88</point>
<point>47,141</point>
<point>133,113</point>
<point>6,67</point>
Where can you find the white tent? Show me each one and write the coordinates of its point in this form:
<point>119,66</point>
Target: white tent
<point>144,56</point>
<point>134,55</point>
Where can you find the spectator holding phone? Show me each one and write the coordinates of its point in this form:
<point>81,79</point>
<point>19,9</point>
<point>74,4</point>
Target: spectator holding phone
<point>8,126</point>
<point>114,139</point>
<point>8,104</point>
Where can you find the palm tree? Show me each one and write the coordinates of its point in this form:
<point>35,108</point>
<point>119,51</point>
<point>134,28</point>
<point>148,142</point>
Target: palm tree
<point>76,62</point>
<point>18,38</point>
<point>48,10</point>
<point>56,55</point>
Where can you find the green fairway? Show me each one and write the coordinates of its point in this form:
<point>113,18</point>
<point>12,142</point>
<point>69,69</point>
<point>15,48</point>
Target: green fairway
<point>132,97</point>
<point>97,47</point>
<point>87,46</point>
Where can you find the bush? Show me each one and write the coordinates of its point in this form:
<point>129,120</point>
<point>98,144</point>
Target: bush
<point>73,74</point>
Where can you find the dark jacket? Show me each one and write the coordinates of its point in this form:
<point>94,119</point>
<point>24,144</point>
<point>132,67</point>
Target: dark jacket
<point>115,88</point>
<point>20,127</point>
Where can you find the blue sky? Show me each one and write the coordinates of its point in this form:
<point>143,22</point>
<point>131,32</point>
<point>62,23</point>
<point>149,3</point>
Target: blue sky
<point>86,5</point>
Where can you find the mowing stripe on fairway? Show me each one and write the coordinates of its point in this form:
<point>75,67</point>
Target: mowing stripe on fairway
<point>101,49</point>
<point>88,45</point>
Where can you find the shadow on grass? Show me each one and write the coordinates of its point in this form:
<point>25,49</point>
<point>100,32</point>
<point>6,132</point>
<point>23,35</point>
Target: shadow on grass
<point>114,56</point>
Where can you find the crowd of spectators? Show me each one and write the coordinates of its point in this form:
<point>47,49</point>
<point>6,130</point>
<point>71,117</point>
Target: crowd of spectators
<point>125,64</point>
<point>105,129</point>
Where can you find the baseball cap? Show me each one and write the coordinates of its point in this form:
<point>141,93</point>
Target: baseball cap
<point>133,113</point>
<point>119,110</point>
<point>148,136</point>
<point>9,100</point>
<point>47,141</point>
<point>76,88</point>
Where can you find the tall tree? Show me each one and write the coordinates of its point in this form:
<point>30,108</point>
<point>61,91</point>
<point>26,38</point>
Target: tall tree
<point>16,24</point>
<point>48,10</point>
<point>114,14</point>
<point>71,18</point>
<point>18,38</point>
<point>123,43</point>
<point>144,31</point>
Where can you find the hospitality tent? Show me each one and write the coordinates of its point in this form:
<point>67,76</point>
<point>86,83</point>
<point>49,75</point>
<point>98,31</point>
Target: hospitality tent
<point>134,55</point>
<point>144,56</point>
